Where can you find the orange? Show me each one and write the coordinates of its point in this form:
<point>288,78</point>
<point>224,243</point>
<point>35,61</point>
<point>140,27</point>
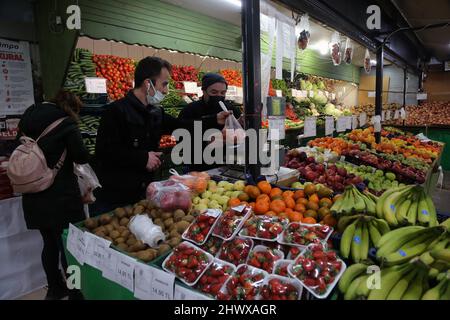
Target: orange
<point>288,210</point>
<point>263,197</point>
<point>252,191</point>
<point>302,201</point>
<point>275,192</point>
<point>325,202</point>
<point>252,205</point>
<point>330,220</point>
<point>270,213</point>
<point>300,208</point>
<point>311,214</point>
<point>234,202</point>
<point>261,207</point>
<point>277,206</point>
<point>244,197</point>
<point>201,185</point>
<point>283,215</point>
<point>264,186</point>
<point>314,198</point>
<point>290,202</point>
<point>309,220</point>
<point>299,194</point>
<point>288,193</point>
<point>312,206</point>
<point>295,216</point>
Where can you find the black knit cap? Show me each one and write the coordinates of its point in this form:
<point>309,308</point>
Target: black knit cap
<point>211,78</point>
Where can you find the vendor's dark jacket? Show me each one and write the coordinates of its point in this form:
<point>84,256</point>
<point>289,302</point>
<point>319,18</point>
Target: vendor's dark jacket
<point>200,111</point>
<point>128,131</point>
<point>60,204</point>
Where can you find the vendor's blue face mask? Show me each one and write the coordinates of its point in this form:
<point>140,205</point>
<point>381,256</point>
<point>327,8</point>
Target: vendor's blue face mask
<point>157,97</point>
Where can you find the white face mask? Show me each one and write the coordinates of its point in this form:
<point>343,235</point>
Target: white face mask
<point>156,98</point>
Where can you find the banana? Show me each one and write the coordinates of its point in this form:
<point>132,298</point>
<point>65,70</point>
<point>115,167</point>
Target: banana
<point>370,205</point>
<point>384,196</point>
<point>371,196</point>
<point>357,242</point>
<point>446,295</point>
<point>346,240</point>
<point>363,289</point>
<point>351,200</point>
<point>411,216</point>
<point>415,288</point>
<point>350,294</point>
<point>405,254</point>
<point>375,235</point>
<point>344,221</point>
<point>426,258</point>
<point>350,274</point>
<point>423,213</point>
<point>401,286</point>
<point>432,210</point>
<point>446,224</point>
<point>391,205</point>
<point>441,254</point>
<point>365,242</point>
<point>402,212</point>
<point>436,292</point>
<point>440,265</point>
<point>392,236</point>
<point>382,226</point>
<point>388,281</point>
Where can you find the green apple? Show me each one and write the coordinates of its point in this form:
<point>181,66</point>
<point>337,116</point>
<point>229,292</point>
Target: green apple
<point>222,184</point>
<point>229,187</point>
<point>239,185</point>
<point>215,197</point>
<point>201,207</point>
<point>214,205</point>
<point>196,200</point>
<point>297,185</point>
<point>213,189</point>
<point>229,194</point>
<point>223,200</point>
<point>204,201</point>
<point>220,191</point>
<point>225,206</point>
<point>212,183</point>
<point>236,194</point>
<point>206,194</point>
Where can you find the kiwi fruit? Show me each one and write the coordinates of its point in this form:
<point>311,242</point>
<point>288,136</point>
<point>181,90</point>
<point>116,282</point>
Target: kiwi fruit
<point>124,221</point>
<point>120,213</point>
<point>101,228</point>
<point>138,246</point>
<point>154,251</point>
<point>182,226</point>
<point>115,224</point>
<point>119,240</point>
<point>143,203</point>
<point>178,215</point>
<point>105,219</point>
<point>91,223</point>
<point>174,242</point>
<point>109,228</point>
<point>131,241</point>
<point>163,249</point>
<point>157,221</point>
<point>168,222</point>
<point>133,254</point>
<point>174,234</point>
<point>166,215</point>
<point>161,224</point>
<point>122,228</point>
<point>108,238</point>
<point>114,234</point>
<point>138,209</point>
<point>122,246</point>
<point>146,255</point>
<point>125,234</point>
<point>188,218</point>
<point>129,211</point>
<point>100,233</point>
<point>153,214</point>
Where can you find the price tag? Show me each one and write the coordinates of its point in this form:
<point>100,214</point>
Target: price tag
<point>182,293</point>
<point>190,87</point>
<point>277,130</point>
<point>109,264</point>
<point>294,93</point>
<point>95,250</point>
<point>143,277</point>
<point>333,96</point>
<point>311,93</point>
<point>213,212</point>
<point>354,122</point>
<point>348,122</point>
<point>396,114</point>
<point>383,115</point>
<point>371,94</point>
<point>125,271</point>
<point>329,125</point>
<point>341,124</point>
<point>232,91</point>
<point>76,243</point>
<point>362,119</point>
<point>162,285</point>
<point>239,208</point>
<point>279,93</point>
<point>403,113</point>
<point>310,128</point>
<point>388,115</point>
<point>376,121</point>
<point>422,96</point>
<point>95,85</point>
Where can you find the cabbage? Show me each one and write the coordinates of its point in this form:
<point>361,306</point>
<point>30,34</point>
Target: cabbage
<point>331,110</point>
<point>319,99</point>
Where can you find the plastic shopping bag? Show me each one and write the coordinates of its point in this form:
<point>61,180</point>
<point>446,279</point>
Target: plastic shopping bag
<point>367,63</point>
<point>197,182</point>
<point>336,55</point>
<point>87,181</point>
<point>233,133</point>
<point>348,53</point>
<point>304,36</point>
<point>169,195</point>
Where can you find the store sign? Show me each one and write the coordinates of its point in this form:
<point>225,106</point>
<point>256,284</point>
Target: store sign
<point>182,293</point>
<point>354,122</point>
<point>329,125</point>
<point>95,85</point>
<point>190,87</point>
<point>95,250</point>
<point>341,124</point>
<point>310,127</point>
<point>16,81</point>
<point>76,243</point>
<point>162,285</point>
<point>362,119</point>
<point>422,96</point>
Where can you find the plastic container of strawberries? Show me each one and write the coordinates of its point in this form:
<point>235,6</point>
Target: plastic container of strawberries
<point>236,251</point>
<point>214,277</point>
<point>268,292</point>
<point>280,268</point>
<point>264,228</point>
<point>283,238</point>
<point>208,215</point>
<point>259,250</point>
<point>234,218</point>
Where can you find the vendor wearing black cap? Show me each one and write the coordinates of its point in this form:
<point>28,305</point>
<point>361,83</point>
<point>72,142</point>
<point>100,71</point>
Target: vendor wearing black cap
<point>214,88</point>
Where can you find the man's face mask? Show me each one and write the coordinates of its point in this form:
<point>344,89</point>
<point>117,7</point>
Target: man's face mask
<point>157,97</point>
<point>214,100</point>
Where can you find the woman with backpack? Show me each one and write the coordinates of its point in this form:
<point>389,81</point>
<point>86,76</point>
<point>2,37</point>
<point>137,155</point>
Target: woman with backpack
<point>53,126</point>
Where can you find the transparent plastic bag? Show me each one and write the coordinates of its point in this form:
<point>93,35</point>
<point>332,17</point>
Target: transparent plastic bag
<point>87,181</point>
<point>233,133</point>
<point>348,53</point>
<point>304,36</point>
<point>197,182</point>
<point>335,48</point>
<point>169,195</point>
<point>367,64</point>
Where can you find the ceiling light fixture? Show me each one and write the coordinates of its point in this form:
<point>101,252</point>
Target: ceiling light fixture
<point>237,3</point>
<point>322,46</point>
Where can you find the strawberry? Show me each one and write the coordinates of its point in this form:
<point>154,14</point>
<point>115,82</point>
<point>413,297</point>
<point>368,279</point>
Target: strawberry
<point>236,251</point>
<point>200,228</point>
<point>245,284</point>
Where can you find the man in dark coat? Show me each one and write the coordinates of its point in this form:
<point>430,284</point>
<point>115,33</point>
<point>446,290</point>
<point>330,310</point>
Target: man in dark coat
<point>214,88</point>
<point>129,135</point>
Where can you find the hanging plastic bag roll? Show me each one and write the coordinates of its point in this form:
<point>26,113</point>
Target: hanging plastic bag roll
<point>143,229</point>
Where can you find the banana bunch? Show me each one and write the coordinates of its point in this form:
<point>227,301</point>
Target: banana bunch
<point>359,232</point>
<point>354,201</point>
<point>437,256</point>
<point>441,291</point>
<point>401,245</point>
<point>80,67</point>
<point>408,205</point>
<point>408,281</point>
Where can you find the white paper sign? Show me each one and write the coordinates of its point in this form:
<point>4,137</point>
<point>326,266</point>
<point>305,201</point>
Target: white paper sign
<point>396,114</point>
<point>348,122</point>
<point>109,264</point>
<point>403,113</point>
<point>294,93</point>
<point>277,130</point>
<point>95,250</point>
<point>362,119</point>
<point>279,93</point>
<point>383,115</point>
<point>182,293</point>
<point>190,87</point>
<point>162,285</point>
<point>422,96</point>
<point>354,122</point>
<point>125,271</point>
<point>333,96</point>
<point>16,81</point>
<point>239,92</point>
<point>388,115</point>
<point>232,91</point>
<point>95,85</point>
<point>371,94</point>
<point>341,124</point>
<point>143,277</point>
<point>310,128</point>
<point>76,244</point>
<point>199,92</point>
<point>376,121</point>
<point>329,125</point>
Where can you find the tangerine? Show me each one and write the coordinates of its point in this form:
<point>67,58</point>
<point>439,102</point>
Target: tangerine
<point>299,194</point>
<point>265,187</point>
<point>309,220</point>
<point>275,192</point>
<point>261,207</point>
<point>277,206</point>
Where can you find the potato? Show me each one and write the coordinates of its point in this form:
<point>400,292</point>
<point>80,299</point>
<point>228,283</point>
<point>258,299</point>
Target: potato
<point>182,226</point>
<point>105,219</point>
<point>163,249</point>
<point>168,222</point>
<point>124,221</point>
<point>114,234</point>
<point>129,211</point>
<point>125,234</point>
<point>91,223</point>
<point>122,246</point>
<point>119,240</point>
<point>174,234</point>
<point>188,218</point>
<point>120,213</point>
<point>138,209</point>
<point>131,241</point>
<point>178,215</point>
<point>109,228</point>
<point>174,242</point>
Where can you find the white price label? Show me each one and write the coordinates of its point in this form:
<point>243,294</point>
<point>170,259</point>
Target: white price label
<point>383,115</point>
<point>76,243</point>
<point>403,113</point>
<point>362,119</point>
<point>333,96</point>
<point>182,293</point>
<point>213,213</point>
<point>277,130</point>
<point>376,121</point>
<point>125,271</point>
<point>341,124</point>
<point>303,94</point>
<point>162,285</point>
<point>232,91</point>
<point>422,96</point>
<point>190,87</point>
<point>310,128</point>
<point>95,85</point>
<point>311,93</point>
<point>371,94</point>
<point>329,125</point>
<point>199,92</point>
<point>354,122</point>
<point>109,264</point>
<point>396,114</point>
<point>95,250</point>
<point>143,277</point>
<point>294,93</point>
<point>348,122</point>
<point>279,93</point>
<point>239,92</point>
<point>239,208</point>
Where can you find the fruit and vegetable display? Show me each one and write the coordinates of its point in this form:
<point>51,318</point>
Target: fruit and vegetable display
<point>230,222</point>
<point>167,141</point>
<point>212,245</point>
<point>81,66</point>
<point>219,195</point>
<point>233,77</point>
<point>183,73</point>
<point>369,109</point>
<point>427,114</point>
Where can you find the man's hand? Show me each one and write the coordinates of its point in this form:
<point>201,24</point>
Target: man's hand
<point>153,161</point>
<point>222,116</point>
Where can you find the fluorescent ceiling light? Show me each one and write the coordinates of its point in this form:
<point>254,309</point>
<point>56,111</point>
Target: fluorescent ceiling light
<point>322,46</point>
<point>235,2</point>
